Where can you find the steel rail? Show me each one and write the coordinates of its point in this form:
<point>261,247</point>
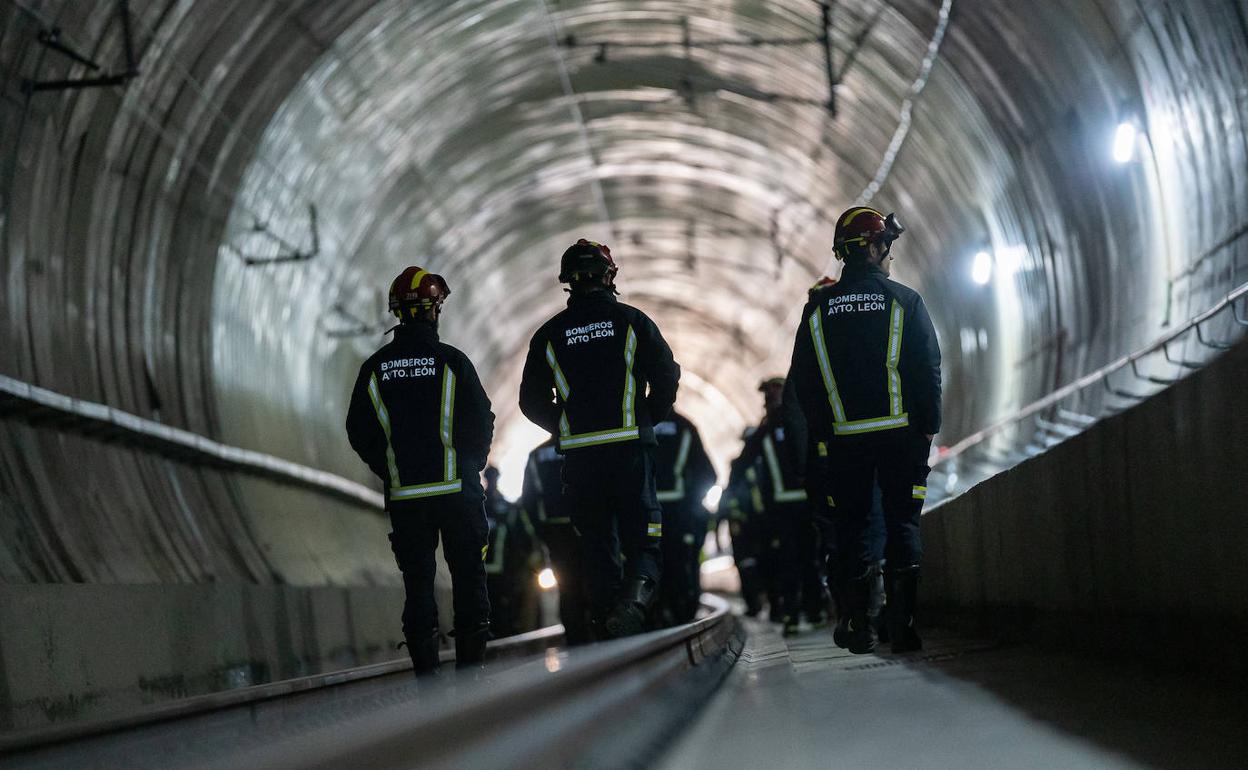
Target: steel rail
<point>40,405</point>
<point>535,714</point>
<point>1091,378</point>
<point>22,740</point>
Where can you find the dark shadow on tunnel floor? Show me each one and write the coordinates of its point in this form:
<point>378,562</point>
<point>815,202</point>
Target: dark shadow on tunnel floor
<point>1155,717</point>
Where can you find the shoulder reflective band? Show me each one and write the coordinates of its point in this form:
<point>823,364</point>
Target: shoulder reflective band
<point>498,538</point>
<point>630,383</point>
<point>561,382</point>
<point>677,492</point>
<point>896,320</point>
<point>825,367</point>
<point>600,437</point>
<point>654,530</point>
<point>871,425</point>
<point>821,448</point>
<point>778,491</point>
<point>383,416</point>
<point>920,493</point>
<point>447,423</point>
<point>484,550</point>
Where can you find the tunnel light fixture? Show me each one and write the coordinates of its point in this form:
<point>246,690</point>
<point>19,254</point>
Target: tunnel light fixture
<point>981,269</point>
<point>546,579</point>
<point>1125,141</point>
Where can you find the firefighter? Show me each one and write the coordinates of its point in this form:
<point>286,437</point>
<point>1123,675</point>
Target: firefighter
<point>599,375</point>
<point>742,505</point>
<point>421,421</point>
<point>866,365</point>
<point>543,499</point>
<point>783,448</point>
<point>512,562</point>
<point>684,474</point>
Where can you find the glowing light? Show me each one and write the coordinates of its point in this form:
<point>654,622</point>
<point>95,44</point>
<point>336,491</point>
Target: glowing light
<point>1124,141</point>
<point>517,440</point>
<point>553,662</point>
<point>1009,259</point>
<point>981,270</point>
<point>546,579</point>
<point>718,564</point>
<point>711,500</point>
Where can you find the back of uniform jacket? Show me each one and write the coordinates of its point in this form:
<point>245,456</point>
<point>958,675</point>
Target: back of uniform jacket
<point>420,419</point>
<point>598,373</point>
<point>683,472</point>
<point>866,358</point>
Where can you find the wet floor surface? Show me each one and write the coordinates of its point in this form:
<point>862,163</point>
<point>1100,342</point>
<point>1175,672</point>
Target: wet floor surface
<point>801,702</point>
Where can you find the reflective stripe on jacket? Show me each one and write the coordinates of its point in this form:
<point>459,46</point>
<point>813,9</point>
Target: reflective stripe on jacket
<point>598,373</point>
<point>419,417</point>
<point>866,358</point>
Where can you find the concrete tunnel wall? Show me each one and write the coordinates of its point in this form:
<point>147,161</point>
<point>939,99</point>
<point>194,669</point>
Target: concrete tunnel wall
<point>443,133</point>
<point>1126,539</point>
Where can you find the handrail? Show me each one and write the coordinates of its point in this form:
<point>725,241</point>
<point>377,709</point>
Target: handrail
<point>91,418</point>
<point>1099,375</point>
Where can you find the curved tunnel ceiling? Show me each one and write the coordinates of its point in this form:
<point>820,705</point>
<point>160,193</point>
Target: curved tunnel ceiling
<point>478,138</point>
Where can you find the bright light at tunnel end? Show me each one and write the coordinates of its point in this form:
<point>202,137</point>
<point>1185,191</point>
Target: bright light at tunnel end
<point>546,579</point>
<point>1125,141</point>
<point>981,269</point>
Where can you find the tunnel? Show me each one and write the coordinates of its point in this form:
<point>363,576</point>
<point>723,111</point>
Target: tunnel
<point>202,205</point>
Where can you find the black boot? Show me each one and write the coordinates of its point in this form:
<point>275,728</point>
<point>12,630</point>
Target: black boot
<point>901,603</point>
<point>470,646</point>
<point>840,601</point>
<point>750,592</point>
<point>423,651</point>
<point>881,626</point>
<point>865,594</point>
<point>628,617</point>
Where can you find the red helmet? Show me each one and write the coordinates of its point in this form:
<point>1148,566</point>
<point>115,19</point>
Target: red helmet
<point>822,283</point>
<point>417,289</point>
<point>860,226</point>
<point>587,258</point>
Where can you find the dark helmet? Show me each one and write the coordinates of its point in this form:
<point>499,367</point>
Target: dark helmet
<point>769,383</point>
<point>860,226</point>
<point>587,259</point>
<point>416,289</point>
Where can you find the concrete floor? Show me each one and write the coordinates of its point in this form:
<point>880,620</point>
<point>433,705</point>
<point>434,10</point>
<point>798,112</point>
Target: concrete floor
<point>958,704</point>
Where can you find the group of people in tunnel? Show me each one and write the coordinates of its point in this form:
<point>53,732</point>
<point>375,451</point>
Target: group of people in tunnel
<point>827,490</point>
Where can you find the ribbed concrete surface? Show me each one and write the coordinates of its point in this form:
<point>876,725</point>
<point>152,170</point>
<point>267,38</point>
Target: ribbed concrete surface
<point>1129,537</point>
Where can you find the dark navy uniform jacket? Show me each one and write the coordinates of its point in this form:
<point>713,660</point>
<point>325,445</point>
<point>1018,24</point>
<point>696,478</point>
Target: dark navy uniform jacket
<point>543,485</point>
<point>598,373</point>
<point>866,358</point>
<point>420,419</point>
<point>683,472</point>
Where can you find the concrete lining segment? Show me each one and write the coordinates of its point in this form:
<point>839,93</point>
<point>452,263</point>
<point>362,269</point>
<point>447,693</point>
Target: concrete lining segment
<point>1128,538</point>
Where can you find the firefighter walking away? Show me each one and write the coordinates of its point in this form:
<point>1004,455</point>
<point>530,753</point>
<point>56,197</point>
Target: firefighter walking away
<point>421,421</point>
<point>598,376</point>
<point>866,370</point>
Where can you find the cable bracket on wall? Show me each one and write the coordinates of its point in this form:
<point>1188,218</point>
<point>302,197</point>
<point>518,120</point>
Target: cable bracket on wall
<point>290,252</point>
<point>51,39</point>
<point>686,85</point>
